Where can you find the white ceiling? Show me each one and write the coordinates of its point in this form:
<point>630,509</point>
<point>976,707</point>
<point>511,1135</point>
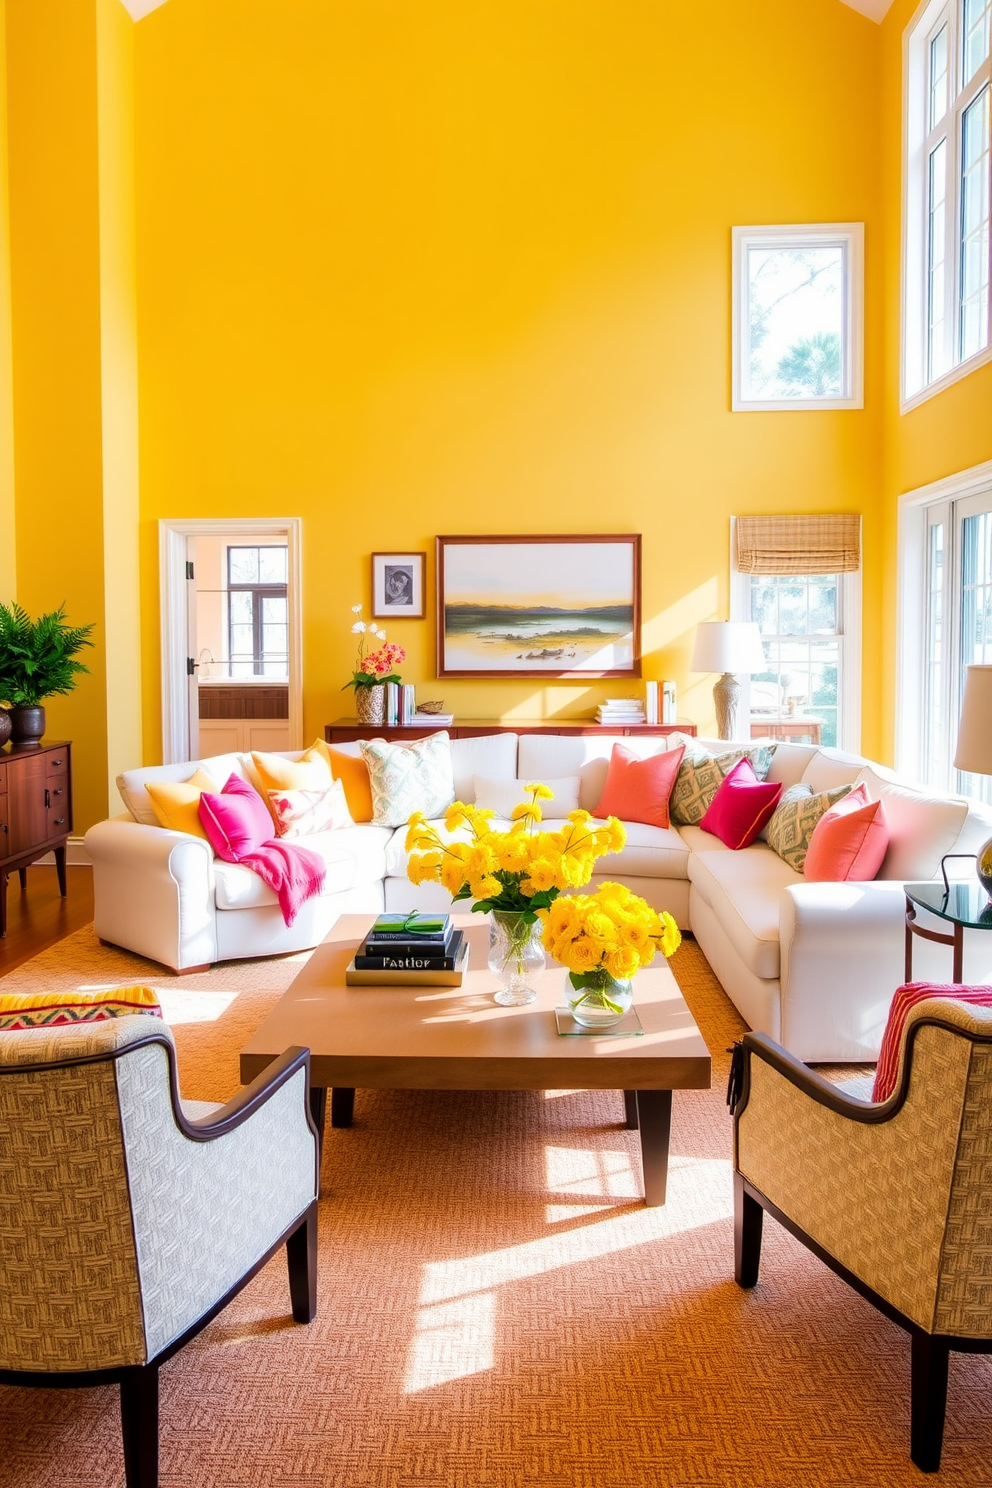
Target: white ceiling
<point>875,9</point>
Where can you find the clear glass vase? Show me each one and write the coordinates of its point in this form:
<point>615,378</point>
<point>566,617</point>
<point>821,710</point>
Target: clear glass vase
<point>602,1001</point>
<point>516,956</point>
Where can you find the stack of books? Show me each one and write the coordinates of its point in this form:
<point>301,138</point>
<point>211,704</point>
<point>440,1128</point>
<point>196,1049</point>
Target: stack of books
<point>404,950</point>
<point>621,711</point>
<point>436,720</point>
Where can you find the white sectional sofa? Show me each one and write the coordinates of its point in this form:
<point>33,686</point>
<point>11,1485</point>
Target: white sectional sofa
<point>814,965</point>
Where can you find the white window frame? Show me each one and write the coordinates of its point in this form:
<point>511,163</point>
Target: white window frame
<point>915,508</point>
<point>918,142</point>
<point>849,236</point>
<point>849,646</point>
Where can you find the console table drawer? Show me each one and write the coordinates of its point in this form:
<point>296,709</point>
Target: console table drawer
<point>57,763</point>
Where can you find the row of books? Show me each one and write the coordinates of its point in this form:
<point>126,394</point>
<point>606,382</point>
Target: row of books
<point>401,709</point>
<point>407,949</point>
<point>658,706</point>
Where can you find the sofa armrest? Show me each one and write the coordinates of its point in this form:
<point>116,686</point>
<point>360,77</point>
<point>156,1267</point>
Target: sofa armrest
<point>153,891</point>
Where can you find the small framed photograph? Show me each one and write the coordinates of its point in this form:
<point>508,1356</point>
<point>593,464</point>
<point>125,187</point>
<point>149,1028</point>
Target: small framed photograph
<point>398,586</point>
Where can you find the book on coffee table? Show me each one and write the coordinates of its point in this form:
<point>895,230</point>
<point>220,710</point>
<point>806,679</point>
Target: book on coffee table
<point>377,955</point>
<point>355,976</point>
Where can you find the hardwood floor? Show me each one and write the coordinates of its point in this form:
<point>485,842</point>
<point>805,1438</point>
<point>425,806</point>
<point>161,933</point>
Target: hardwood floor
<point>38,917</point>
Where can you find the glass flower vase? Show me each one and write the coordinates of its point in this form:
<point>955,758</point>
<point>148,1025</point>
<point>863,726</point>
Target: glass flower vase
<point>601,1001</point>
<point>516,956</point>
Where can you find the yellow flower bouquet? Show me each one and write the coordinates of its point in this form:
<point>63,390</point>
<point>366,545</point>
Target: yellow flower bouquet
<point>512,873</point>
<point>604,939</point>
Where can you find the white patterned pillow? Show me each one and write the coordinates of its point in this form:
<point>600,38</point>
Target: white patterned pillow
<point>409,777</point>
<point>300,813</point>
<point>502,795</point>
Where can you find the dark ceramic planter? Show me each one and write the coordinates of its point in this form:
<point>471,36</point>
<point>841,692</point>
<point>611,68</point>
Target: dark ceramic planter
<point>28,725</point>
<point>5,726</point>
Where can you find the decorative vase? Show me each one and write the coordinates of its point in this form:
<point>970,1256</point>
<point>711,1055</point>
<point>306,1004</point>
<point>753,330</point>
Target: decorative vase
<point>5,726</point>
<point>27,725</point>
<point>516,955</point>
<point>370,704</point>
<point>602,1001</point>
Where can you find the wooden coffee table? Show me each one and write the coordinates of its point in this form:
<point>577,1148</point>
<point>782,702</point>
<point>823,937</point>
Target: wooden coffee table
<point>458,1038</point>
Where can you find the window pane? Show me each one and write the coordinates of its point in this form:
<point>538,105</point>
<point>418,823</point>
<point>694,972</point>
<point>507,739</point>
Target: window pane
<point>975,226</point>
<point>793,613</point>
<point>799,618</point>
<point>240,603</point>
<point>272,565</point>
<point>936,229</point>
<point>938,76</point>
<point>796,322</point>
<point>242,565</point>
<point>936,732</point>
<point>975,35</point>
<point>242,641</point>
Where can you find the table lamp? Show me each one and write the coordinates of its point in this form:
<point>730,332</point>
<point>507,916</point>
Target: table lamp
<point>728,646</point>
<point>974,748</point>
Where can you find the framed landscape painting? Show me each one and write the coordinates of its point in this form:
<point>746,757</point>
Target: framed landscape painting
<point>555,606</point>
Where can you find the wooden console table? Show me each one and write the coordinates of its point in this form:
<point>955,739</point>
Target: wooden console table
<point>348,730</point>
<point>35,810</point>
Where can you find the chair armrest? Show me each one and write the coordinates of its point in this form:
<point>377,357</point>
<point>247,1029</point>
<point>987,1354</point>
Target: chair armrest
<point>760,1046</point>
<point>248,1100</point>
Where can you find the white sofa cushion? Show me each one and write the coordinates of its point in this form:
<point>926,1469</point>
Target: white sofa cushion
<point>585,755</point>
<point>789,762</point>
<point>743,889</point>
<point>650,852</point>
<point>502,796</point>
<point>131,783</point>
<point>829,768</point>
<point>492,755</point>
<point>354,857</point>
<point>922,827</point>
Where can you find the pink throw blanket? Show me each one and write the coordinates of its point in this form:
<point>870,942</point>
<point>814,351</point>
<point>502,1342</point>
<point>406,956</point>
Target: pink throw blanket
<point>295,874</point>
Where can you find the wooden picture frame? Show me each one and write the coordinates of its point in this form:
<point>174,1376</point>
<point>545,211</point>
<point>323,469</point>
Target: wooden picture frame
<point>547,606</point>
<point>398,582</point>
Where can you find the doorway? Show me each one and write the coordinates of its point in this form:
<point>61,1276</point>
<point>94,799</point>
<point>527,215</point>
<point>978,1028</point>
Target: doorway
<point>231,636</point>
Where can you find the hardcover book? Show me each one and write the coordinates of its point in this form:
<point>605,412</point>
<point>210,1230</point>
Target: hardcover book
<point>356,976</point>
<point>415,929</point>
<point>402,958</point>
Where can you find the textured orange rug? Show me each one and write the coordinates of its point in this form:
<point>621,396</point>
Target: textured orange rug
<point>497,1307</point>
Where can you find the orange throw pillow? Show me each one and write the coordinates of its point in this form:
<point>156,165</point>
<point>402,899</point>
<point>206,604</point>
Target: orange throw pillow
<point>353,773</point>
<point>848,842</point>
<point>637,790</point>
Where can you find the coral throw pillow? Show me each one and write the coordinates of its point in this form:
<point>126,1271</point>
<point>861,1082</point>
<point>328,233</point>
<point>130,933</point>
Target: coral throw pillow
<point>60,1009</point>
<point>849,841</point>
<point>741,806</point>
<point>353,773</point>
<point>236,821</point>
<point>638,790</point>
<point>300,813</point>
<point>907,997</point>
<point>177,803</point>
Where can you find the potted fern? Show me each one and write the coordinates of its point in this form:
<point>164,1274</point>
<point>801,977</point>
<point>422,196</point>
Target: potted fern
<point>37,660</point>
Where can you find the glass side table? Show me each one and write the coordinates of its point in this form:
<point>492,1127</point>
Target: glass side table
<point>965,906</point>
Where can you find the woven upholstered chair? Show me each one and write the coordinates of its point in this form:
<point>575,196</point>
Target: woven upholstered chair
<point>895,1197</point>
<point>129,1218</point>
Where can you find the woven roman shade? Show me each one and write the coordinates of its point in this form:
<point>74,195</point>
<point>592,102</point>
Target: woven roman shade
<point>799,545</point>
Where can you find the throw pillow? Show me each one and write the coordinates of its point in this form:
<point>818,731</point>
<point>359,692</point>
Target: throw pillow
<point>310,772</point>
<point>502,795</point>
<point>353,773</point>
<point>236,821</point>
<point>794,818</point>
<point>741,806</point>
<point>699,777</point>
<point>300,813</point>
<point>849,841</point>
<point>57,1009</point>
<point>907,997</point>
<point>409,777</point>
<point>177,803</point>
<point>638,790</point>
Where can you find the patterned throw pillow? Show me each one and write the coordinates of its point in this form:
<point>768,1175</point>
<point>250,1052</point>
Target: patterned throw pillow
<point>700,775</point>
<point>796,814</point>
<point>300,813</point>
<point>58,1009</point>
<point>409,777</point>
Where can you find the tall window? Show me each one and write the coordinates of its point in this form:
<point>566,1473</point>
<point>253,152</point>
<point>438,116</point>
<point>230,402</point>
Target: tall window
<point>947,279</point>
<point>258,612</point>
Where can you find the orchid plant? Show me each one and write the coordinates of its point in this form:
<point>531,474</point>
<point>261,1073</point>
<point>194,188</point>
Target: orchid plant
<point>373,667</point>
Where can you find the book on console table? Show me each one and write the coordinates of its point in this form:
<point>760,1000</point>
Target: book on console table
<point>356,976</point>
<point>374,956</point>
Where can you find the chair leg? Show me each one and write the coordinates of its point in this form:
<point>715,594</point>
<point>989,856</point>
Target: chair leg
<point>139,1426</point>
<point>748,1216</point>
<point>301,1253</point>
<point>929,1400</point>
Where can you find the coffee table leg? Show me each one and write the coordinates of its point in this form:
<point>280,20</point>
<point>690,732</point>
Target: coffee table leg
<point>342,1105</point>
<point>630,1109</point>
<point>654,1111</point>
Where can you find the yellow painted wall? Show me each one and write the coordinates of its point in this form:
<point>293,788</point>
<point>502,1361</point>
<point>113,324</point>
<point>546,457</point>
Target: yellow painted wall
<point>8,526</point>
<point>408,269</point>
<point>948,432</point>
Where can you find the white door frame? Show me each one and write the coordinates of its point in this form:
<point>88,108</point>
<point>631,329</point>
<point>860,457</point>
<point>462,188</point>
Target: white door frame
<point>172,535</point>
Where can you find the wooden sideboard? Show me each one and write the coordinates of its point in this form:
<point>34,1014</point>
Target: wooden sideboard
<point>348,730</point>
<point>35,810</point>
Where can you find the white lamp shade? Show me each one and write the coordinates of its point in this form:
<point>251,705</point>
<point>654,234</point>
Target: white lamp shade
<point>974,748</point>
<point>728,646</point>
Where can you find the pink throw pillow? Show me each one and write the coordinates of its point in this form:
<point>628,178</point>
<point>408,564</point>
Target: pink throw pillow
<point>849,841</point>
<point>741,806</point>
<point>637,790</point>
<point>905,998</point>
<point>301,813</point>
<point>236,820</point>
